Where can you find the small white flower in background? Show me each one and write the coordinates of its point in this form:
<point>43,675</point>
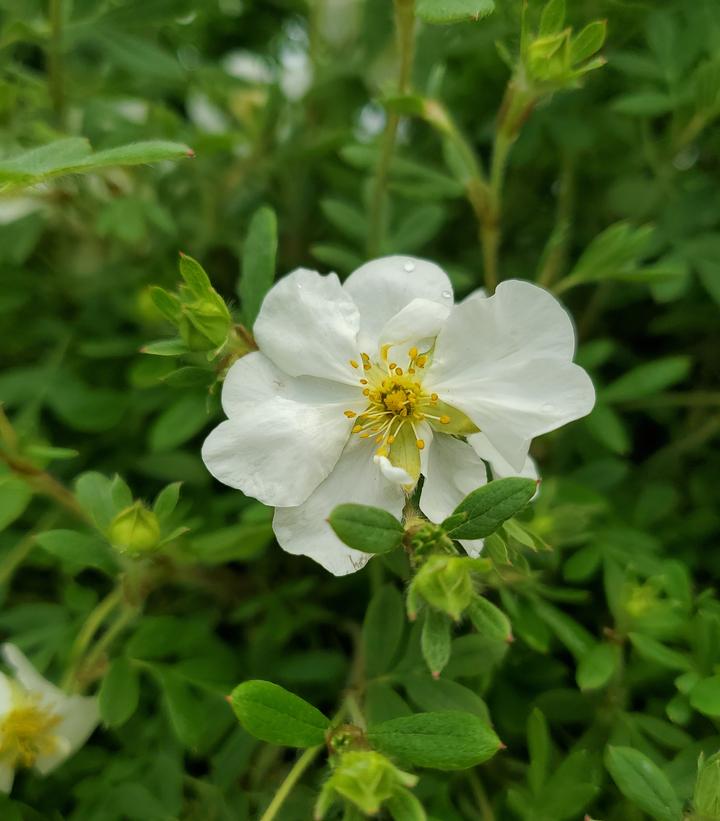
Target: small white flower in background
<point>40,726</point>
<point>359,388</point>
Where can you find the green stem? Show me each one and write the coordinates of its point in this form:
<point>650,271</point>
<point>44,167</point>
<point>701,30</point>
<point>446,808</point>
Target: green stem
<point>92,624</point>
<point>291,779</point>
<point>555,254</point>
<point>123,619</point>
<point>405,31</point>
<point>55,61</point>
<point>486,810</point>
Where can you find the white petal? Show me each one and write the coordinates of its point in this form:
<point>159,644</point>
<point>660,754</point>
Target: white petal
<point>418,320</point>
<point>308,326</point>
<point>30,679</point>
<point>7,776</point>
<point>284,434</point>
<point>80,716</point>
<point>383,287</point>
<point>513,406</point>
<point>6,695</point>
<point>304,530</point>
<point>500,466</point>
<point>393,474</point>
<point>453,471</point>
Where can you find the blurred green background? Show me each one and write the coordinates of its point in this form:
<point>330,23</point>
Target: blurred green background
<point>612,198</point>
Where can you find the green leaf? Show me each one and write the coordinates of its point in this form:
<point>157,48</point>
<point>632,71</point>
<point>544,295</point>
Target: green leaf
<point>370,529</point>
<point>648,379</point>
<point>404,806</point>
<point>15,495</point>
<point>443,12</point>
<point>652,650</point>
<point>435,640</point>
<point>78,550</point>
<point>119,693</point>
<point>195,277</point>
<point>441,695</point>
<point>93,492</point>
<point>552,17</point>
<point>489,506</point>
<point>641,781</point>
<point>441,741</point>
<point>489,620</point>
<point>573,635</point>
<point>166,501</point>
<point>166,347</point>
<point>258,262</point>
<point>383,629</point>
<point>597,667</point>
<point>187,711</point>
<point>179,422</point>
<point>705,696</point>
<point>168,304</point>
<point>588,41</point>
<point>540,749</point>
<point>273,714</point>
<point>74,156</point>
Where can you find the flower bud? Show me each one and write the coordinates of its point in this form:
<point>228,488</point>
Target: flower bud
<point>445,582</point>
<point>205,323</point>
<point>135,530</point>
<point>706,799</point>
<point>365,779</point>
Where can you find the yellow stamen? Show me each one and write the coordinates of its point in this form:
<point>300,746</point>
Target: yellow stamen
<point>350,414</point>
<point>420,444</point>
<point>367,366</point>
<point>433,397</point>
<point>354,363</point>
<point>411,370</point>
<point>393,365</point>
<point>444,420</point>
<point>390,439</point>
<point>421,360</point>
<point>363,381</point>
<point>412,353</point>
<point>366,392</point>
<point>381,452</point>
<point>398,371</point>
<point>357,429</point>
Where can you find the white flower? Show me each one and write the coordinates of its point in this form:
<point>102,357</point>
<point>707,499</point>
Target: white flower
<point>40,726</point>
<point>359,388</point>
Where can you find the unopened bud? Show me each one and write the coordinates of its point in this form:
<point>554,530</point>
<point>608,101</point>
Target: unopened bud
<point>364,778</point>
<point>205,323</point>
<point>445,582</point>
<point>135,530</point>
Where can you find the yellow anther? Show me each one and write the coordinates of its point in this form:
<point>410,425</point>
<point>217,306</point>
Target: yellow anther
<point>433,397</point>
<point>381,452</point>
<point>363,381</point>
<point>398,371</point>
<point>411,370</point>
<point>364,357</point>
<point>420,361</point>
<point>420,444</point>
<point>354,363</point>
<point>390,439</point>
<point>350,414</point>
<point>367,366</point>
<point>393,365</point>
<point>412,353</point>
<point>365,435</point>
<point>366,392</point>
<point>357,429</point>
<point>444,420</point>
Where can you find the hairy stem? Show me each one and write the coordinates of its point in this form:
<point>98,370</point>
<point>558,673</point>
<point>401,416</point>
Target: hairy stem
<point>291,779</point>
<point>405,31</point>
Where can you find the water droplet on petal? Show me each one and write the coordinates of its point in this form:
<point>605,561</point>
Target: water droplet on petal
<point>447,294</point>
<point>409,267</point>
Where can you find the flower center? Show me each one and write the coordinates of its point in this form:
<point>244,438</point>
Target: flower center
<point>396,401</point>
<point>26,732</point>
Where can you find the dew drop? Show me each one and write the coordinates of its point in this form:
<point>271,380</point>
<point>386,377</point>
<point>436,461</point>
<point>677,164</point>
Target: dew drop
<point>409,267</point>
<point>447,294</point>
